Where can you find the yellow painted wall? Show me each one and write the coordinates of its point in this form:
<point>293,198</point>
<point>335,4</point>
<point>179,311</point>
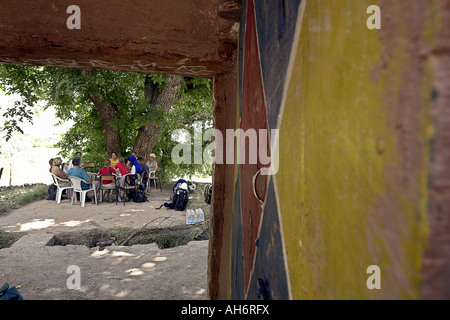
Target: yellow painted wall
<point>354,154</point>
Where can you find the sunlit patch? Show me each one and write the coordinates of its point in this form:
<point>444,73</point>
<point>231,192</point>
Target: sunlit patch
<point>74,223</point>
<point>135,272</point>
<point>37,224</point>
<point>160,259</point>
<point>148,265</point>
<point>201,291</point>
<point>122,294</point>
<point>121,254</point>
<point>98,253</point>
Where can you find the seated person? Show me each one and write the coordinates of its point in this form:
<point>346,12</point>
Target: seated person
<point>132,179</point>
<point>50,162</point>
<point>152,164</point>
<point>107,170</point>
<point>136,164</point>
<point>121,167</point>
<point>77,155</point>
<point>131,167</point>
<point>145,171</point>
<point>114,160</point>
<point>57,168</point>
<point>122,171</point>
<point>79,172</point>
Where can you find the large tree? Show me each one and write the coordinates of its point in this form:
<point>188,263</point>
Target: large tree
<point>112,111</point>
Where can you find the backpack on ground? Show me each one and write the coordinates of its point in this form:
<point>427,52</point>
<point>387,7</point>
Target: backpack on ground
<point>139,195</point>
<point>208,193</point>
<point>180,199</point>
<point>9,293</point>
<point>178,184</point>
<point>52,192</point>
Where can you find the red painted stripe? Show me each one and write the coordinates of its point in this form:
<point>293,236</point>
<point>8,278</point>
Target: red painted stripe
<point>253,116</point>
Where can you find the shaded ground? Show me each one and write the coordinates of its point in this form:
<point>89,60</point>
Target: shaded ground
<point>49,217</point>
<point>117,272</point>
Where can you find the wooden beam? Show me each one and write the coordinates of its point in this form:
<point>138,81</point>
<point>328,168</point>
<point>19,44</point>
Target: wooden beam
<point>182,37</point>
<point>219,257</point>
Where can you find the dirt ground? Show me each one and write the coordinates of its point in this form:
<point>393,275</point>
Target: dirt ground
<point>118,272</point>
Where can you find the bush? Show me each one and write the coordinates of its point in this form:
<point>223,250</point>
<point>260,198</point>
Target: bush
<point>15,197</point>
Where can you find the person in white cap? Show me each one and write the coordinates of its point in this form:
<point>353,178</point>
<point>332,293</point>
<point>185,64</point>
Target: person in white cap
<point>152,164</point>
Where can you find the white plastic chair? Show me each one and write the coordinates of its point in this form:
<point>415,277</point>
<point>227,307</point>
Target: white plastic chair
<point>154,176</point>
<point>61,184</point>
<point>77,189</point>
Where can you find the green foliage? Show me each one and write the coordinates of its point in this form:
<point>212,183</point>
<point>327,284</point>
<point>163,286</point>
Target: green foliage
<point>70,92</point>
<point>196,106</point>
<point>27,82</point>
<point>86,136</point>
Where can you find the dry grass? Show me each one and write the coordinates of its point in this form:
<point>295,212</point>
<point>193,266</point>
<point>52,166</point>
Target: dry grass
<point>14,197</point>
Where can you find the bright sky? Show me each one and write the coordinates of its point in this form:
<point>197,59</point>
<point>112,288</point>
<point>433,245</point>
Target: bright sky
<point>35,160</point>
<point>43,124</point>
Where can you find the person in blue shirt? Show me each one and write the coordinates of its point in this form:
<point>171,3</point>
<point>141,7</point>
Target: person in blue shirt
<point>79,172</point>
<point>136,163</point>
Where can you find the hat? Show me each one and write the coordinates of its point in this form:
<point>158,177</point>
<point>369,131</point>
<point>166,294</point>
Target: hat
<point>152,155</point>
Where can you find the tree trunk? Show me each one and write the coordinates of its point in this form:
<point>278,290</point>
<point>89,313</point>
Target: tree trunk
<point>147,136</point>
<point>107,113</point>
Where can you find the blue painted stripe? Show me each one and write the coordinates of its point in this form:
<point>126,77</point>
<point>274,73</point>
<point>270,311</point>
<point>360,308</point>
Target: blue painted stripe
<point>276,22</point>
<point>269,268</point>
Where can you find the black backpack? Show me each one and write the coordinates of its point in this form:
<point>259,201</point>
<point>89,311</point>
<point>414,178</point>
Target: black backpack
<point>208,193</point>
<point>52,192</point>
<point>139,195</point>
<point>9,293</point>
<point>180,199</point>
